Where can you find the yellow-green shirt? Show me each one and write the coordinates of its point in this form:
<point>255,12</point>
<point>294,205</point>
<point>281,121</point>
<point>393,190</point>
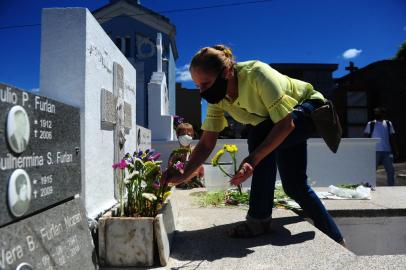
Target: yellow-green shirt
<point>263,93</point>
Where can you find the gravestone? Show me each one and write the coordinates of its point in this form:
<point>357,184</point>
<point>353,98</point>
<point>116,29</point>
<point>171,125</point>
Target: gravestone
<point>40,153</point>
<point>58,238</point>
<point>159,120</point>
<point>81,66</point>
<point>143,138</point>
<point>42,224</point>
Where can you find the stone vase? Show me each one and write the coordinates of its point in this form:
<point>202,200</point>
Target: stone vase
<point>133,241</point>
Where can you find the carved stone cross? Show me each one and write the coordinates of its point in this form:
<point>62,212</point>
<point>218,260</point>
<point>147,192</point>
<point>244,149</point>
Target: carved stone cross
<point>116,115</point>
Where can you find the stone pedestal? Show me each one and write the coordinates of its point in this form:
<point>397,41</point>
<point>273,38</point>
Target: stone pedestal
<point>130,241</point>
<point>126,241</point>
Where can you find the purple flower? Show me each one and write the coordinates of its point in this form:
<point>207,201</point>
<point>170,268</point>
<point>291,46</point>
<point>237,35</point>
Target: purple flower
<point>138,154</point>
<point>149,153</point>
<point>156,185</point>
<point>154,157</point>
<point>177,120</point>
<point>179,165</point>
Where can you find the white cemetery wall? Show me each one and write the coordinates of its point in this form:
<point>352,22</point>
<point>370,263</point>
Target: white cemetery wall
<point>159,120</point>
<point>77,60</point>
<point>354,161</point>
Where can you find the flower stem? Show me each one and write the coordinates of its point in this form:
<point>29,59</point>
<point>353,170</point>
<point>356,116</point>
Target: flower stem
<point>121,191</point>
<point>235,171</point>
<point>226,173</point>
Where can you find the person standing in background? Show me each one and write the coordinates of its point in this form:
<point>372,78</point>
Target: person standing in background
<point>386,148</point>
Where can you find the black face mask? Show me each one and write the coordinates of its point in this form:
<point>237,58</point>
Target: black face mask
<point>217,91</point>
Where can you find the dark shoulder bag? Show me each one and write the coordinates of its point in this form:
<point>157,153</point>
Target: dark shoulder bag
<point>328,125</point>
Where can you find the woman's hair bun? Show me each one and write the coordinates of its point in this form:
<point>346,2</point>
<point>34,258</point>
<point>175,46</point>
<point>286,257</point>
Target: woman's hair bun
<point>226,50</point>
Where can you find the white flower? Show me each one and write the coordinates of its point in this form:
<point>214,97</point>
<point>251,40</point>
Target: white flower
<point>138,160</point>
<point>143,184</point>
<point>130,177</point>
<point>149,196</point>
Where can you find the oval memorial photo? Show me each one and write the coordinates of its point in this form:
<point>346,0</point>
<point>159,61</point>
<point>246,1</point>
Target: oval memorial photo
<point>24,266</point>
<point>18,129</point>
<point>19,192</point>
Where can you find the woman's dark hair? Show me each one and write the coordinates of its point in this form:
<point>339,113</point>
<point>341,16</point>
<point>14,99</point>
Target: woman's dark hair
<point>213,59</point>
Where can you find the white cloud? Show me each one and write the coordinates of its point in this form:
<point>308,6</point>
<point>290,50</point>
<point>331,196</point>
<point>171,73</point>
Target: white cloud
<point>183,74</point>
<point>351,53</point>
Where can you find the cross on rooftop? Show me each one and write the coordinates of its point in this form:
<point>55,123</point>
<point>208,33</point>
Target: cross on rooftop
<point>351,67</point>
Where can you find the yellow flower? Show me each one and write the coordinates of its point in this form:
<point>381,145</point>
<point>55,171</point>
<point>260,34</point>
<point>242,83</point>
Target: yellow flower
<point>166,195</point>
<point>231,148</point>
<point>216,158</point>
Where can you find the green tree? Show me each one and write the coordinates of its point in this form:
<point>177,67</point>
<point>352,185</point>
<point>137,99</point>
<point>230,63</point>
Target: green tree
<point>401,54</point>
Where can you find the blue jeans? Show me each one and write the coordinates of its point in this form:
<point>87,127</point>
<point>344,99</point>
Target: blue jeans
<point>291,159</point>
<point>386,159</point>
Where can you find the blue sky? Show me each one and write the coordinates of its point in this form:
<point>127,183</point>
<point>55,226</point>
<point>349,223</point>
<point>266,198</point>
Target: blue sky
<point>279,31</point>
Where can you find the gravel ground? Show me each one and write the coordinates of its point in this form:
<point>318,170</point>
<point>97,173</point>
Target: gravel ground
<point>400,174</point>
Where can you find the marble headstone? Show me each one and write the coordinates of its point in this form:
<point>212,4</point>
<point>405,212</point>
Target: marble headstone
<point>39,153</point>
<point>58,238</point>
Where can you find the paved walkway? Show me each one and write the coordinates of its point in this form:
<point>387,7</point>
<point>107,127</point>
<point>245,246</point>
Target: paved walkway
<point>202,243</point>
<point>201,240</point>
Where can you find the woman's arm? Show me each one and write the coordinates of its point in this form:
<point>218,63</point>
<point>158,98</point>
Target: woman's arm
<point>199,155</point>
<point>275,137</point>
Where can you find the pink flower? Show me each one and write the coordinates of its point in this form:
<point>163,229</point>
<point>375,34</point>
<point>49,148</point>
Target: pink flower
<point>155,156</point>
<point>121,165</point>
<point>179,165</point>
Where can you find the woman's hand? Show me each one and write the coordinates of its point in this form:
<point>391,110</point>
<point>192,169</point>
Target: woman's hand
<point>174,177</point>
<point>244,172</point>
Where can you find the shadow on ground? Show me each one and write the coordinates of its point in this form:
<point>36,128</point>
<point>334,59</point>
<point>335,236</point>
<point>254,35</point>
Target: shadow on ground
<point>212,243</point>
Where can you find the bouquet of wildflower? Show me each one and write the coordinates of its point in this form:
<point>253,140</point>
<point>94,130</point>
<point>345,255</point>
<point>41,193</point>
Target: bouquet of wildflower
<point>141,192</point>
<point>232,150</point>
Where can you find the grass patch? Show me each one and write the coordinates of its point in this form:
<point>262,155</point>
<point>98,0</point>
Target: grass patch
<point>232,197</point>
<point>215,198</point>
